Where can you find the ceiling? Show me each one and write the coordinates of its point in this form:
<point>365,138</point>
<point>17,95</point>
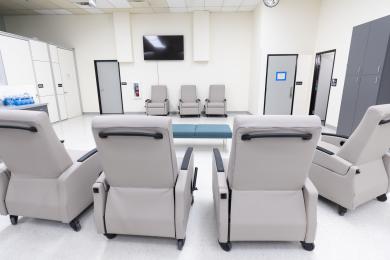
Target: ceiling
<point>66,7</point>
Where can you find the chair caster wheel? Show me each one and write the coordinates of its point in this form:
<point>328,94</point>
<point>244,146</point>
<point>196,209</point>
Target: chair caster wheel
<point>382,198</point>
<point>110,236</point>
<point>226,246</point>
<point>341,210</point>
<point>14,219</point>
<point>75,225</point>
<point>180,243</point>
<point>307,246</point>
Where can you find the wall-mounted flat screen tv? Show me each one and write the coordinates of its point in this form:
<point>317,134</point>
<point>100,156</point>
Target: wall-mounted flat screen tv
<point>163,47</point>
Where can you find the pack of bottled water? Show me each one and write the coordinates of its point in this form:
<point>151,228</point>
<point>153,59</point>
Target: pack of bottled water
<point>19,100</point>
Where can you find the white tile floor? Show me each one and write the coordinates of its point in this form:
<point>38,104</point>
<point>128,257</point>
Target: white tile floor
<point>362,234</point>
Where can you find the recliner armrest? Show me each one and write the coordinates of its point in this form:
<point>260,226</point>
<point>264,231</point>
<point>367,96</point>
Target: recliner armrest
<point>100,190</point>
<point>334,139</point>
<point>310,195</point>
<point>186,159</point>
<point>183,199</point>
<point>218,160</point>
<point>87,155</point>
<point>322,149</point>
<point>4,181</point>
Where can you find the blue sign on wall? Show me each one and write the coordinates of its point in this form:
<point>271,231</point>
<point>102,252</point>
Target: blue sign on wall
<point>281,76</point>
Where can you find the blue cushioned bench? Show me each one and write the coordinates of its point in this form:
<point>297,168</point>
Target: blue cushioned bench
<point>217,131</point>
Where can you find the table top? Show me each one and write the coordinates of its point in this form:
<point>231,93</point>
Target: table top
<point>201,131</point>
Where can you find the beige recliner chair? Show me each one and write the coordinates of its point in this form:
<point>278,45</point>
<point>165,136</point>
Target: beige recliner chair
<point>352,171</point>
<point>189,104</point>
<point>142,190</point>
<point>216,103</point>
<point>262,193</point>
<point>158,104</point>
<point>43,179</point>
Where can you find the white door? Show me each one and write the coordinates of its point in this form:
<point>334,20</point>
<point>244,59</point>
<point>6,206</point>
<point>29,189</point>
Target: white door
<point>51,106</point>
<point>69,82</point>
<point>62,106</point>
<point>53,53</point>
<point>44,78</point>
<point>280,84</point>
<point>109,87</point>
<point>39,50</point>
<point>57,78</point>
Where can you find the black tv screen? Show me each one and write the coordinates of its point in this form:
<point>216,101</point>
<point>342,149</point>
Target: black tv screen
<point>163,47</point>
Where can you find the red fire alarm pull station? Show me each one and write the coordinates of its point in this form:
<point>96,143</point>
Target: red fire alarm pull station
<point>136,90</point>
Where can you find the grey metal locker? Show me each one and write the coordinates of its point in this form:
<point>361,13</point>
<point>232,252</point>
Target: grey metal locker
<point>348,105</point>
<point>367,96</point>
<point>357,49</point>
<point>376,46</point>
<point>367,81</point>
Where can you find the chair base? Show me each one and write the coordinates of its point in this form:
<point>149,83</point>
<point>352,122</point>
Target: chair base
<point>382,198</point>
<point>225,246</point>
<point>307,246</point>
<point>180,243</point>
<point>341,210</point>
<point>110,236</point>
<point>75,225</point>
<point>14,219</point>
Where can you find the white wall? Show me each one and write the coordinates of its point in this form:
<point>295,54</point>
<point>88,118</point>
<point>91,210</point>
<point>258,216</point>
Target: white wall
<point>289,28</point>
<point>93,38</point>
<point>336,21</point>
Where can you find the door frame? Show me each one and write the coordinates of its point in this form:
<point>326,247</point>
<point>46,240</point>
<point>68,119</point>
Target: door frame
<point>266,79</point>
<point>98,87</point>
<point>316,74</point>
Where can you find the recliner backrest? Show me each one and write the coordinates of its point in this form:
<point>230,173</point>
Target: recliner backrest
<point>371,139</point>
<point>188,93</point>
<point>29,145</point>
<point>136,151</point>
<point>272,152</point>
<point>217,93</point>
<point>159,93</point>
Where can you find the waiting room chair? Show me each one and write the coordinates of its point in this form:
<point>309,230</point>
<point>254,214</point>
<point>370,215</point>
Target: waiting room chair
<point>262,193</point>
<point>43,180</point>
<point>352,171</point>
<point>189,104</point>
<point>143,190</point>
<point>158,104</point>
<point>216,103</point>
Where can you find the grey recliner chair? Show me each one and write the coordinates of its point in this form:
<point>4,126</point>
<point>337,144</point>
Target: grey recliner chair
<point>158,104</point>
<point>43,180</point>
<point>216,103</point>
<point>352,171</point>
<point>262,193</point>
<point>189,104</point>
<point>142,190</point>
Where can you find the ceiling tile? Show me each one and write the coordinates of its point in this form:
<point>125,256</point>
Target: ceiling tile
<point>195,3</point>
<point>232,2</point>
<point>213,8</point>
<point>196,8</point>
<point>229,8</point>
<point>249,3</point>
<point>213,3</point>
<point>247,8</point>
<point>176,3</point>
<point>158,3</point>
<point>119,3</point>
<point>140,4</point>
